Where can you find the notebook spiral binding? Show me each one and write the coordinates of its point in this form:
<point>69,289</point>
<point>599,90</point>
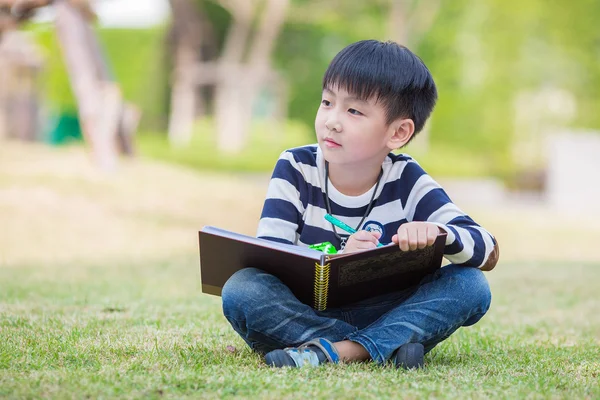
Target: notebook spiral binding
<point>321,286</point>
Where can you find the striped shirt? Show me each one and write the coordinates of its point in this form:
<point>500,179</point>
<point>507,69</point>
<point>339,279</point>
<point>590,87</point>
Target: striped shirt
<point>295,206</point>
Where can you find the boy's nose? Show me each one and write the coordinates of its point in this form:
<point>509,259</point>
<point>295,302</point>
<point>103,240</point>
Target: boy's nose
<point>333,125</point>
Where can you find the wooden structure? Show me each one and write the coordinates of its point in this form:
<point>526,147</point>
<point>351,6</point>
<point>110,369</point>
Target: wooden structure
<point>20,65</point>
<point>108,123</point>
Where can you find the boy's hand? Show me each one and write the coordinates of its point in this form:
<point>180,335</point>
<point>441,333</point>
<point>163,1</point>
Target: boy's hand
<point>416,235</point>
<point>362,240</point>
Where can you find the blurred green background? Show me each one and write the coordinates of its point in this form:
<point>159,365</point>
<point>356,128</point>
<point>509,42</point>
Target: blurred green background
<point>483,56</point>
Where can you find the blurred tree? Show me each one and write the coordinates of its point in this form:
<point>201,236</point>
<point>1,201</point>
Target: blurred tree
<point>108,124</point>
<point>484,55</point>
<point>20,65</point>
<point>238,74</point>
<point>20,97</point>
<point>188,34</point>
<point>314,32</point>
<point>410,20</point>
<point>487,56</point>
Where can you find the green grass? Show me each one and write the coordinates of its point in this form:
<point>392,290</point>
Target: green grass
<point>265,144</point>
<point>142,329</point>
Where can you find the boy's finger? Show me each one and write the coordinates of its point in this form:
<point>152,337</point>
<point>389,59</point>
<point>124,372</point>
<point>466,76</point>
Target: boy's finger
<point>376,236</point>
<point>358,235</point>
<point>422,237</point>
<point>403,239</point>
<point>413,240</point>
<point>432,232</point>
<point>367,245</point>
<point>366,236</point>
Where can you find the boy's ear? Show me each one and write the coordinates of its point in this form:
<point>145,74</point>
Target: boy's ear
<point>402,131</point>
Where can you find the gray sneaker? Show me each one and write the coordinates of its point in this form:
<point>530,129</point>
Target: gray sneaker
<point>313,353</point>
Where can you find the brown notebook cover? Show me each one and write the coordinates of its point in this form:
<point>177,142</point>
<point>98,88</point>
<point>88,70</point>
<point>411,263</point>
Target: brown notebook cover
<point>319,280</point>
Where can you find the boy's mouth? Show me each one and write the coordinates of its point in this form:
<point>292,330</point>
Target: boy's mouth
<point>331,143</point>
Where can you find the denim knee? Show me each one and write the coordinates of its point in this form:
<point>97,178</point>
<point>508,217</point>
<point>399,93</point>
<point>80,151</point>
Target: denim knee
<point>242,287</point>
<point>474,286</point>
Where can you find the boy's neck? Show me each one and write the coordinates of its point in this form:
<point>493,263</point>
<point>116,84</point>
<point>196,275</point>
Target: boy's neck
<point>353,180</point>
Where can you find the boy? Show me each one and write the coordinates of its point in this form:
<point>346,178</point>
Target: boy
<point>376,97</point>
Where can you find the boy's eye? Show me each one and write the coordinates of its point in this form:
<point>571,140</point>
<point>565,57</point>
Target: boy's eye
<point>325,102</point>
<point>354,112</point>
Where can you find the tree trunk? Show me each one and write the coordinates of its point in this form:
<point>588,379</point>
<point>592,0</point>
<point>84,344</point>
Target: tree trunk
<point>88,89</point>
<point>238,87</point>
<point>183,98</point>
<point>397,25</point>
<point>3,95</point>
<point>409,20</point>
<point>186,36</point>
<point>231,91</point>
<point>20,63</point>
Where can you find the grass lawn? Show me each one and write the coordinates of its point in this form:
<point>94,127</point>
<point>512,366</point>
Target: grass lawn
<point>100,297</point>
<point>144,330</point>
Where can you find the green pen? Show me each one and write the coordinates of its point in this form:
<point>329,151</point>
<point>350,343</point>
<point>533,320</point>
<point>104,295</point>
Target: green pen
<point>343,226</point>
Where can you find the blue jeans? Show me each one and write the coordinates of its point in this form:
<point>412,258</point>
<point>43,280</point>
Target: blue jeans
<point>265,313</point>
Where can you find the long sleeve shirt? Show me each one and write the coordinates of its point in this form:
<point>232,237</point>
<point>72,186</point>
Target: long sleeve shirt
<point>296,204</point>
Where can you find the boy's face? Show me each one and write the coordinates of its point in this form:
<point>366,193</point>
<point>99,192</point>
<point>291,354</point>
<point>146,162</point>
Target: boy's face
<point>352,131</point>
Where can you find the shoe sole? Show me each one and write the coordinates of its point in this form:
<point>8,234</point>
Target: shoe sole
<point>409,356</point>
<point>279,359</point>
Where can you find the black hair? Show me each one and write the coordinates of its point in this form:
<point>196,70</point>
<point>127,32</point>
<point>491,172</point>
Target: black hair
<point>390,73</point>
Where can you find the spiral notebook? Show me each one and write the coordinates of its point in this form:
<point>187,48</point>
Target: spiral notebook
<point>317,279</point>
